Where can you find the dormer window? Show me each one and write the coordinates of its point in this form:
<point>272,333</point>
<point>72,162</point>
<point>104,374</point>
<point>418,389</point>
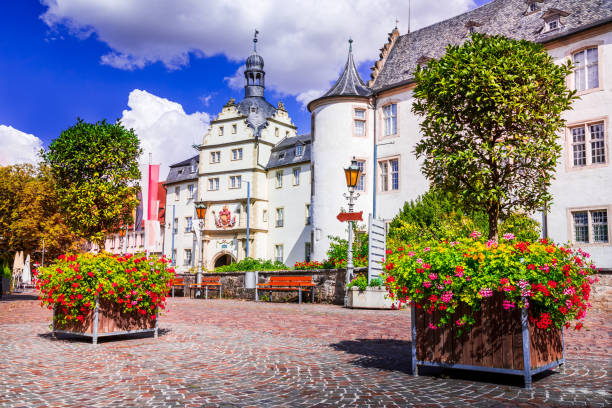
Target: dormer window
<point>299,150</point>
<point>281,155</point>
<point>533,7</point>
<point>552,19</point>
<point>253,109</point>
<point>193,167</point>
<point>471,26</point>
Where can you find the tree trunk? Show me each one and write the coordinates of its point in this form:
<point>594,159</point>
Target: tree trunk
<point>493,213</point>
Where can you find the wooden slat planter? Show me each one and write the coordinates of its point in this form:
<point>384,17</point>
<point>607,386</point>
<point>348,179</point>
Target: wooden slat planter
<point>500,341</point>
<point>107,319</point>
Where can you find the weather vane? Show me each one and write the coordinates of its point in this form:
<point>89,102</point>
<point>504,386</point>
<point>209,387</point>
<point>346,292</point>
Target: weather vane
<point>350,44</point>
<point>255,41</point>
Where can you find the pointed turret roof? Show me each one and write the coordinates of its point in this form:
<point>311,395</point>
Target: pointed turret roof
<point>349,83</point>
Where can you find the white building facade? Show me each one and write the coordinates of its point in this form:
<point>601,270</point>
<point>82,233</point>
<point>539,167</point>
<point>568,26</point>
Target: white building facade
<point>180,221</point>
<point>351,118</point>
<point>254,165</point>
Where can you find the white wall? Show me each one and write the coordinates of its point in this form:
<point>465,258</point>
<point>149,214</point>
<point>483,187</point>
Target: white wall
<point>295,233</point>
<point>333,148</point>
<point>183,207</point>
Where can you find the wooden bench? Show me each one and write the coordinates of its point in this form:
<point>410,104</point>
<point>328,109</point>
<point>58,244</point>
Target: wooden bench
<point>179,283</point>
<point>288,283</point>
<point>214,282</point>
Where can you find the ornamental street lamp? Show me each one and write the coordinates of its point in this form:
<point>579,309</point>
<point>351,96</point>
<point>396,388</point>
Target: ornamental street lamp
<point>200,208</point>
<point>352,174</point>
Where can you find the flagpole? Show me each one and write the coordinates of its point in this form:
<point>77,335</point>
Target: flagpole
<point>147,230</point>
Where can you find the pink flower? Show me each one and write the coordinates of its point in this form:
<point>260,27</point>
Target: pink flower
<point>485,292</point>
<point>433,327</point>
<point>427,284</point>
<point>419,261</point>
<point>475,234</point>
<point>508,305</point>
<point>411,254</point>
<point>447,297</point>
<point>509,236</point>
<point>432,276</point>
<point>459,271</point>
<point>426,249</point>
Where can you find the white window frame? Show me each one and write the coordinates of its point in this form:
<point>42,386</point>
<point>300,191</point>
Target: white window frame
<point>220,130</point>
<point>296,175</point>
<point>177,193</point>
<point>176,226</point>
<point>213,184</point>
<point>234,129</point>
<point>215,157</point>
<point>590,225</point>
<point>308,220</point>
<point>299,150</point>
<point>188,224</point>
<point>190,191</point>
<point>361,119</point>
<point>588,64</point>
<point>280,217</point>
<point>589,143</point>
<point>235,182</point>
<point>237,154</point>
<point>385,169</point>
<point>362,182</point>
<point>279,178</point>
<point>188,257</point>
<point>279,253</point>
<point>389,119</point>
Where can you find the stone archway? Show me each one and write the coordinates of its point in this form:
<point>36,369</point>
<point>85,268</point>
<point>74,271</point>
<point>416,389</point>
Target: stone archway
<point>223,259</point>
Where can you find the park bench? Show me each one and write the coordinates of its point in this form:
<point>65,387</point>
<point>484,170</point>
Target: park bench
<point>178,283</point>
<point>214,282</point>
<point>288,283</point>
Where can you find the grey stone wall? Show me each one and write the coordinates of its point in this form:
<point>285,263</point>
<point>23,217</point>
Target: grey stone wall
<point>329,289</point>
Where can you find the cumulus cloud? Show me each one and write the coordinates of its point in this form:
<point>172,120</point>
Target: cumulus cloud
<point>303,43</point>
<point>18,147</point>
<point>164,129</point>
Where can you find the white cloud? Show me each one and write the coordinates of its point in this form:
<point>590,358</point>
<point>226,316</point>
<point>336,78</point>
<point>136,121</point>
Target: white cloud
<point>303,42</point>
<point>164,129</point>
<point>18,147</point>
<point>309,95</point>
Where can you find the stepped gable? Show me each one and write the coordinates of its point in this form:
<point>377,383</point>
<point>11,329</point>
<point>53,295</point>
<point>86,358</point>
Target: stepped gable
<point>510,18</point>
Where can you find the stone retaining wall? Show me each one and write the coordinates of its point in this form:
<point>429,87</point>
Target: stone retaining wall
<point>330,286</point>
<point>329,289</point>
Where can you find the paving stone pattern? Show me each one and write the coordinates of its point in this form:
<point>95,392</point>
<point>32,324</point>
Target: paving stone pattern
<point>234,353</point>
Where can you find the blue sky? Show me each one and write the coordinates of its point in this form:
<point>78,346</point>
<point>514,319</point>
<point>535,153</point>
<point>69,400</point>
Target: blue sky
<point>60,60</point>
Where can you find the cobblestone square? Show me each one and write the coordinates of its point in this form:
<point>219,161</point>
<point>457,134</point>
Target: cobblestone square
<point>238,353</point>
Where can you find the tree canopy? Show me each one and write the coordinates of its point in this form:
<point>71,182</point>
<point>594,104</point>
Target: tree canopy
<point>29,213</point>
<point>95,167</point>
<point>491,109</point>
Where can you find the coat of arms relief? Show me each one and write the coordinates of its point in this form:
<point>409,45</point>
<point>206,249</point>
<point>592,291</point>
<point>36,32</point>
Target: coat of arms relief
<point>224,219</point>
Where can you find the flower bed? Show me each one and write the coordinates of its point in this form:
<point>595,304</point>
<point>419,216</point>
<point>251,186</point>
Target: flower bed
<point>104,294</point>
<point>453,285</point>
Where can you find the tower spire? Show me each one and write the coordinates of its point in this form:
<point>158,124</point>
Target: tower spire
<point>255,41</point>
<point>350,44</point>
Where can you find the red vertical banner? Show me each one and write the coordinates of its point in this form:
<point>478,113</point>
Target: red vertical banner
<point>152,201</point>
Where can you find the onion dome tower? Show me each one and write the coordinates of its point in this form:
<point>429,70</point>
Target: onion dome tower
<point>254,105</point>
<point>336,139</point>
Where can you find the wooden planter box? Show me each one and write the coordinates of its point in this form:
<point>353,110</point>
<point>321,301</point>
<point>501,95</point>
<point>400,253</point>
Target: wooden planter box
<point>500,341</point>
<point>371,298</point>
<point>107,319</point>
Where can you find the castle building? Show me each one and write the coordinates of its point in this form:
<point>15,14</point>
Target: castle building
<point>252,165</point>
<point>354,119</point>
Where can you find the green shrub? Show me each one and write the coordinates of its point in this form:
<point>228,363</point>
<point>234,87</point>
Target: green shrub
<point>252,264</point>
<point>5,270</point>
<point>338,248</point>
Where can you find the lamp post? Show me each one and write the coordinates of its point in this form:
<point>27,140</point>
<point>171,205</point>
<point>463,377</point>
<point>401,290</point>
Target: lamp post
<point>352,174</point>
<point>200,208</point>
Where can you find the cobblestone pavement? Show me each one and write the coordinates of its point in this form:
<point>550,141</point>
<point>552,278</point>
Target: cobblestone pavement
<point>236,353</point>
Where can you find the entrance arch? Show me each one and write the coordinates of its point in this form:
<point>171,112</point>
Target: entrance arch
<point>223,259</point>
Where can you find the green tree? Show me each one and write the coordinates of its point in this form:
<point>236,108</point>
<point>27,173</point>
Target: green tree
<point>96,169</point>
<point>29,213</point>
<point>490,111</point>
<point>435,216</point>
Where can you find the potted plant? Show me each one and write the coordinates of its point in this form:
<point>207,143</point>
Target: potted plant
<point>489,306</point>
<point>104,294</point>
<point>364,295</point>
